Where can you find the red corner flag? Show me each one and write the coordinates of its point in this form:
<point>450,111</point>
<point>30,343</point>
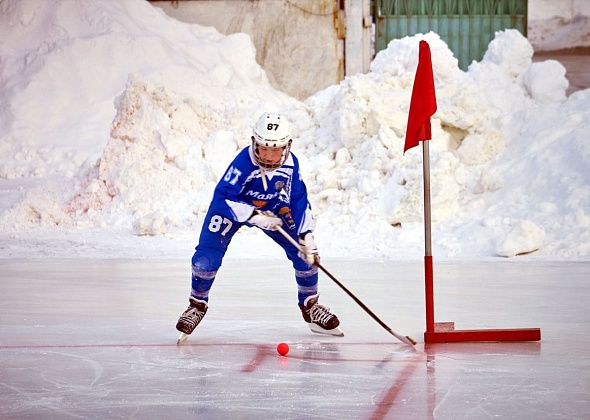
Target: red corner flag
<point>423,103</point>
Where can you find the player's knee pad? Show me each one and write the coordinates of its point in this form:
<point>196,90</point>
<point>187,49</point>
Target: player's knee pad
<point>206,264</point>
<point>309,272</point>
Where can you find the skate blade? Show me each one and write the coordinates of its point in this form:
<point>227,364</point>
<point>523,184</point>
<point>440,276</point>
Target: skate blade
<point>337,332</point>
<point>182,338</point>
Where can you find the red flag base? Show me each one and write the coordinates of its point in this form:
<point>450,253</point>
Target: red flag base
<point>445,332</point>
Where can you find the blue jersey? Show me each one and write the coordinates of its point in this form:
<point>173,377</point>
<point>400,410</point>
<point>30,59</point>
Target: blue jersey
<point>241,190</point>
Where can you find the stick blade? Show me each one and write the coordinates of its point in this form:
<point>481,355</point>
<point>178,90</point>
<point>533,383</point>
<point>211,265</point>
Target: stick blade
<point>404,338</point>
<point>411,340</point>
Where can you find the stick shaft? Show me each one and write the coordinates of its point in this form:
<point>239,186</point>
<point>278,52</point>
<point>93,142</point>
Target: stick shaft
<point>404,339</point>
<point>367,310</point>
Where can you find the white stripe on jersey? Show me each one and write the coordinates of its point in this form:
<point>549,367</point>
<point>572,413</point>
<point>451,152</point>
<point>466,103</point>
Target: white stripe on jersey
<point>307,221</point>
<point>242,211</point>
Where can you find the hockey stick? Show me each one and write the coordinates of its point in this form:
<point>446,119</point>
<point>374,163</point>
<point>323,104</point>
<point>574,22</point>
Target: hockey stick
<point>404,339</point>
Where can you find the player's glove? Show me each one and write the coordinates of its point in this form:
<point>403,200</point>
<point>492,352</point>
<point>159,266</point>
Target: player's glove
<point>265,221</point>
<point>310,249</point>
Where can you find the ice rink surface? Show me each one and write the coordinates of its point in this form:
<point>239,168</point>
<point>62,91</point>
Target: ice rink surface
<point>96,339</point>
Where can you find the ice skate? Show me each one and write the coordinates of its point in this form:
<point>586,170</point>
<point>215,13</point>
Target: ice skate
<point>319,318</point>
<point>190,318</point>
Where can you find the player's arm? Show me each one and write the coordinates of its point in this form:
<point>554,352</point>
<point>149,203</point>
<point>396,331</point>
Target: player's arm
<point>299,203</point>
<point>301,212</point>
<point>227,191</point>
<point>227,196</point>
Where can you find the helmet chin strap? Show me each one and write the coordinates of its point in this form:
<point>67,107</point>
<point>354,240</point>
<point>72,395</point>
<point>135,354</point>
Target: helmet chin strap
<point>263,176</point>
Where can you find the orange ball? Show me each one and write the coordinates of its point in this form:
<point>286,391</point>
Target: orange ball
<point>283,349</point>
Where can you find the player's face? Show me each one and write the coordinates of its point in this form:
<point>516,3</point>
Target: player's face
<point>270,155</point>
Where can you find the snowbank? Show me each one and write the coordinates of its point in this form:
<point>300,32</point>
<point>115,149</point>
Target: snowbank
<point>63,63</point>
<point>509,158</point>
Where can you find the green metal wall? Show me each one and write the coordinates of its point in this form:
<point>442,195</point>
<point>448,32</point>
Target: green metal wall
<point>467,26</point>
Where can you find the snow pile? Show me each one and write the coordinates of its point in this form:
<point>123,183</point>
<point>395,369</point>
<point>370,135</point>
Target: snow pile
<point>536,77</point>
<point>509,160</point>
<point>523,238</point>
<point>165,155</point>
<point>486,127</point>
<point>183,87</point>
<point>64,61</point>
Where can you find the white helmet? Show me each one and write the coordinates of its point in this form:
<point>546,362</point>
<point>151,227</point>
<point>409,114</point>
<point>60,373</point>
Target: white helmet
<point>272,131</point>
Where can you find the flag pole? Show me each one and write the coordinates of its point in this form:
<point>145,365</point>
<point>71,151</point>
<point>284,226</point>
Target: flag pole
<point>422,107</point>
<point>428,275</point>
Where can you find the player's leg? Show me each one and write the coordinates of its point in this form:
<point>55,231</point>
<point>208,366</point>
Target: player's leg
<point>205,263</point>
<point>318,317</point>
<point>215,237</point>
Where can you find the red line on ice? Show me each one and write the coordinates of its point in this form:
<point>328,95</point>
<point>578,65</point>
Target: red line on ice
<point>262,352</point>
<point>125,345</point>
<point>388,399</point>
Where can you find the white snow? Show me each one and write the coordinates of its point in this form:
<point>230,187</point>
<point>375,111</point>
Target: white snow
<point>117,122</point>
<point>523,238</point>
<point>546,81</point>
